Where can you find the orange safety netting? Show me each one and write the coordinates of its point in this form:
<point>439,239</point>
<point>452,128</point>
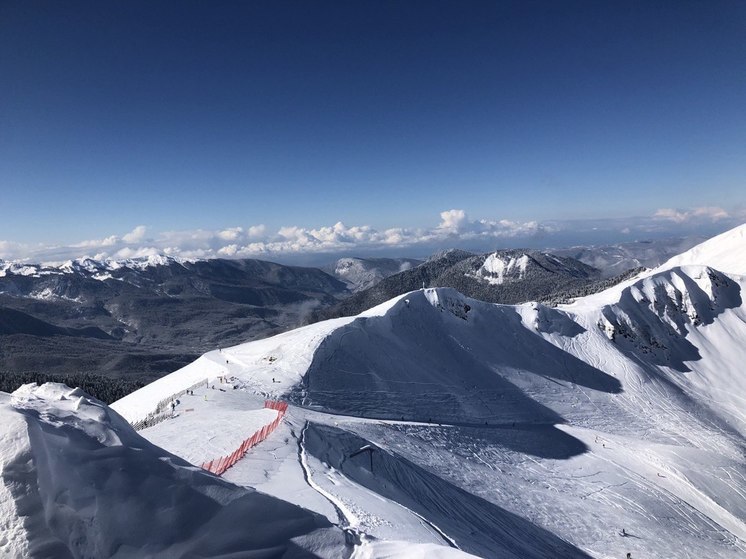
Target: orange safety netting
<point>220,465</point>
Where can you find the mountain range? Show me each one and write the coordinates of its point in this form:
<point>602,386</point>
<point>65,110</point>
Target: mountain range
<point>616,259</point>
<point>146,317</point>
<point>431,425</point>
<point>137,319</point>
<point>504,276</point>
<point>362,273</point>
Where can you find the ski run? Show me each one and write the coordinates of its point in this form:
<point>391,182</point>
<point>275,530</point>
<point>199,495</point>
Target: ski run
<point>433,425</point>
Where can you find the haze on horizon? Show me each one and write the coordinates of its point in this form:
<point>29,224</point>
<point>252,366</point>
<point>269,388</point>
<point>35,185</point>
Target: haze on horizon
<point>294,128</point>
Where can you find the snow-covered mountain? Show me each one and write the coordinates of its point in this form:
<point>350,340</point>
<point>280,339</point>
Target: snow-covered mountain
<point>142,318</point>
<point>243,281</point>
<point>505,276</point>
<point>726,251</point>
<point>98,269</point>
<point>362,273</point>
<point>78,481</point>
<point>615,424</point>
<point>615,259</point>
<point>149,316</point>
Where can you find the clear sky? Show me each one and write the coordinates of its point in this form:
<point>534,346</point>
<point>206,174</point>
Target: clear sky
<point>198,118</point>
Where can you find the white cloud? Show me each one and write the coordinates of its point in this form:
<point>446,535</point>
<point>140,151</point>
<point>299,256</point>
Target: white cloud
<point>139,252</point>
<point>11,250</point>
<point>136,235</point>
<point>96,243</point>
<point>452,220</point>
<point>712,213</point>
<point>671,214</point>
<point>457,223</point>
<point>455,228</point>
<point>257,231</point>
<point>229,250</point>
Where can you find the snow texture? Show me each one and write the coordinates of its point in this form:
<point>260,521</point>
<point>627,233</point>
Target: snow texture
<point>84,484</point>
<point>608,426</point>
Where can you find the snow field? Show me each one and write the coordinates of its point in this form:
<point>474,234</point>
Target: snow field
<point>220,465</point>
<point>549,383</point>
<point>211,423</point>
<point>84,484</point>
<point>508,431</point>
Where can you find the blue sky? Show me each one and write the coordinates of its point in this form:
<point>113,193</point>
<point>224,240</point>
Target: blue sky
<point>530,118</point>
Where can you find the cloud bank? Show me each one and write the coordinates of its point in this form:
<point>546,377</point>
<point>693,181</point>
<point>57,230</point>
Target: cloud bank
<point>455,229</point>
<point>681,216</point>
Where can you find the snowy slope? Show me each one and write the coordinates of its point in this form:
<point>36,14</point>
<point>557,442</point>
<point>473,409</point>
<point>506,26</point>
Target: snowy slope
<point>503,431</point>
<point>84,484</point>
<point>79,482</point>
<point>553,426</point>
<point>616,259</point>
<point>97,269</point>
<point>561,385</point>
<point>362,273</point>
<point>725,252</point>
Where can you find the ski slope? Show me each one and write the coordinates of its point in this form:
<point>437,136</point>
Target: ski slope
<point>84,484</point>
<point>80,482</point>
<point>724,252</point>
<point>623,409</point>
<point>608,426</point>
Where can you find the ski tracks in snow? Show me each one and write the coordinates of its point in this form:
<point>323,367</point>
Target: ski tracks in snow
<point>348,520</point>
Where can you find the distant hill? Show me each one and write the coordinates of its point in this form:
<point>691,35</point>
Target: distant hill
<point>16,322</point>
<point>616,259</point>
<point>362,273</point>
<point>147,316</point>
<point>505,276</point>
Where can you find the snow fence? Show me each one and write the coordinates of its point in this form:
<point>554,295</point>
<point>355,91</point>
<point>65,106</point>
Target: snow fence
<point>161,413</point>
<point>220,465</point>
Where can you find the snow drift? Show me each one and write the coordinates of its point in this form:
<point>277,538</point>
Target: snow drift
<point>84,484</point>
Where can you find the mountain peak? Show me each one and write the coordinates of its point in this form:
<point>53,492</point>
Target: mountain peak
<point>450,253</point>
<point>725,252</point>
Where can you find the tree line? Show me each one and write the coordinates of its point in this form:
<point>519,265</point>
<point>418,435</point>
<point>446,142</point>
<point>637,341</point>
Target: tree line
<point>104,388</point>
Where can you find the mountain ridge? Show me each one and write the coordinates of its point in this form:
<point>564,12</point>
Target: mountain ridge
<point>628,400</point>
<point>505,276</point>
